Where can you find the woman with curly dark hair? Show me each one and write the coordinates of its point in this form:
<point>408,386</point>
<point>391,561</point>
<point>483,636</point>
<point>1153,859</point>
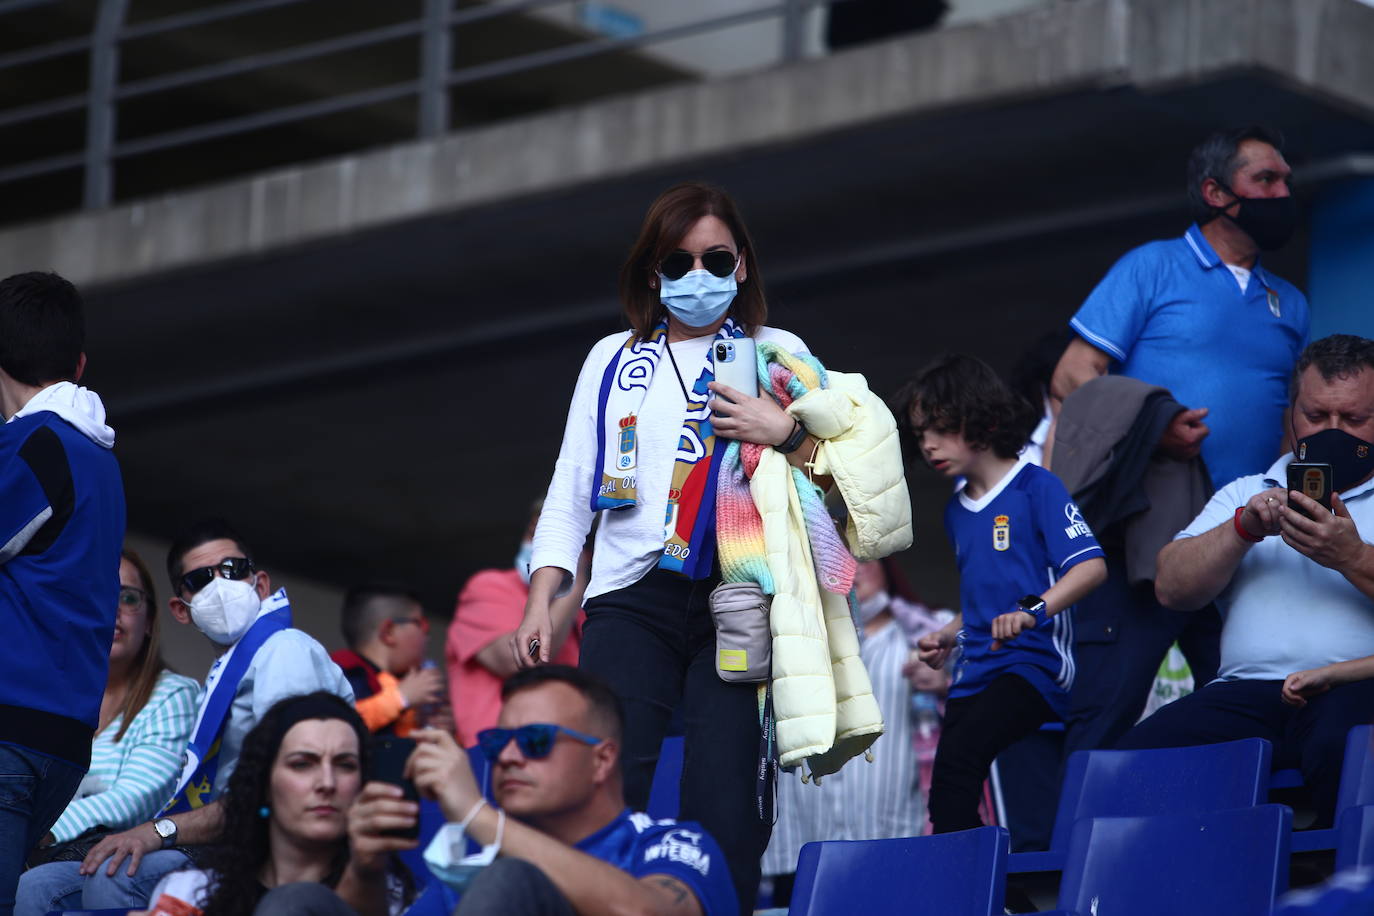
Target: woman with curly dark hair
<point>285,840</point>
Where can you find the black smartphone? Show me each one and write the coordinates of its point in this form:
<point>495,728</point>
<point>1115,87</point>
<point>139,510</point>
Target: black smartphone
<point>388,764</point>
<point>1312,481</point>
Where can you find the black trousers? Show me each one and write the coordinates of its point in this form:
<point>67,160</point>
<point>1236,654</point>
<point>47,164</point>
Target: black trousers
<point>975,730</point>
<point>1311,738</point>
<point>1121,635</point>
<point>655,643</point>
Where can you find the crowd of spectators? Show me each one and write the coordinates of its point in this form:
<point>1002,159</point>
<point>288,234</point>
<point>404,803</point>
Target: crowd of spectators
<point>1129,492</point>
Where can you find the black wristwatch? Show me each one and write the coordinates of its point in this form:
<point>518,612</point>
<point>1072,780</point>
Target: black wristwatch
<point>1035,606</point>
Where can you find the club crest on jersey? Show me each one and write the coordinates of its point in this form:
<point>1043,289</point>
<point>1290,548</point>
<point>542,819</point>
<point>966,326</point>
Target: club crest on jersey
<point>1077,527</point>
<point>1001,532</point>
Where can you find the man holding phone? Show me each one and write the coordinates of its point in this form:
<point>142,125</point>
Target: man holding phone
<point>561,839</point>
<point>1296,583</point>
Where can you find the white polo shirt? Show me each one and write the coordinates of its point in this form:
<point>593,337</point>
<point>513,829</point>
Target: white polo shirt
<point>1284,612</point>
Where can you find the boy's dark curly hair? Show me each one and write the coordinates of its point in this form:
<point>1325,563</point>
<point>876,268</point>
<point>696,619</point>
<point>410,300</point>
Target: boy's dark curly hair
<point>962,394</point>
<point>236,862</point>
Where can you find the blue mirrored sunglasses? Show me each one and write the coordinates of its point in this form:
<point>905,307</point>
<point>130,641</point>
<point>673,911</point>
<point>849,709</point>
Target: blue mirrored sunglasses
<point>535,740</point>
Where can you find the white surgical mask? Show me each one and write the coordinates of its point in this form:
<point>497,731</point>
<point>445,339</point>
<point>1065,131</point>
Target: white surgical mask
<point>698,298</point>
<point>445,858</point>
<point>522,560</point>
<point>225,609</point>
<point>873,605</point>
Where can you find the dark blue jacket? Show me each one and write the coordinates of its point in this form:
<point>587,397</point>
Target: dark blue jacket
<point>61,532</point>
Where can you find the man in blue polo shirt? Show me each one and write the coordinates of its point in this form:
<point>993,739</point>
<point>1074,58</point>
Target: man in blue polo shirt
<point>1297,651</point>
<point>1199,316</point>
<point>61,530</point>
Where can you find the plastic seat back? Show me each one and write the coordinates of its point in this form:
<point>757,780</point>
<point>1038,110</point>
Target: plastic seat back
<point>666,789</point>
<point>1208,777</point>
<point>1357,771</point>
<point>1355,837</point>
<point>1213,862</point>
<point>953,874</point>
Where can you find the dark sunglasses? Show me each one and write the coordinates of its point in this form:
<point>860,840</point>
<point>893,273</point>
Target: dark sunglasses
<point>236,568</point>
<point>720,263</point>
<point>421,622</point>
<point>535,741</point>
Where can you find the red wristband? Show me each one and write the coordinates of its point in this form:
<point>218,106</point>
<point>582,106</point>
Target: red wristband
<point>1240,529</point>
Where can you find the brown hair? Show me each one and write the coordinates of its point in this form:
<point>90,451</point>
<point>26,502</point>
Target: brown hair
<point>668,221</point>
<point>148,664</point>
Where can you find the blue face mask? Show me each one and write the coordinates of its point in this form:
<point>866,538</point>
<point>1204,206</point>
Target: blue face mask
<point>698,298</point>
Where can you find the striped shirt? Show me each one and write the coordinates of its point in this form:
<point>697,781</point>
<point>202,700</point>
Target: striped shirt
<point>863,801</point>
<point>129,780</point>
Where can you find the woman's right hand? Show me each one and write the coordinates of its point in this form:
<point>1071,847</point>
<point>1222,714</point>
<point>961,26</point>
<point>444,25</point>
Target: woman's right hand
<point>538,620</point>
<point>536,625</point>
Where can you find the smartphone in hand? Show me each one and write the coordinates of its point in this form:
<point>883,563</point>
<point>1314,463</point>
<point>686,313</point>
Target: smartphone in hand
<point>735,364</point>
<point>1312,481</point>
<point>388,764</point>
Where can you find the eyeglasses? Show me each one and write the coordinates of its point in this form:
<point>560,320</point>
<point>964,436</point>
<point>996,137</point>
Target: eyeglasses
<point>535,740</point>
<point>421,622</point>
<point>236,568</point>
<point>130,597</point>
<point>719,262</point>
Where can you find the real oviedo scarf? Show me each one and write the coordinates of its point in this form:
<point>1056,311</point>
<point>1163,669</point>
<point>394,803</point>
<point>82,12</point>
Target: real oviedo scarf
<point>689,545</point>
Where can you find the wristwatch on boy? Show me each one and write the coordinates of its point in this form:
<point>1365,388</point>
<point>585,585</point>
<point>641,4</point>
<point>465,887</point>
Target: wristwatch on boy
<point>167,829</point>
<point>1035,606</point>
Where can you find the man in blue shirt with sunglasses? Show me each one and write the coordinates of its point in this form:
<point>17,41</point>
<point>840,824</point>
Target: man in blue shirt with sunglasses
<point>561,839</point>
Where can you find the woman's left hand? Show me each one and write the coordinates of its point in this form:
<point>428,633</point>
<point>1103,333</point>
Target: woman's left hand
<point>748,419</point>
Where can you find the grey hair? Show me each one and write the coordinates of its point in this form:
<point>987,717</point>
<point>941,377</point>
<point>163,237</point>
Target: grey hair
<point>1218,157</point>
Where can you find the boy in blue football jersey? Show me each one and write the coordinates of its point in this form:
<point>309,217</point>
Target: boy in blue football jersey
<point>1025,556</point>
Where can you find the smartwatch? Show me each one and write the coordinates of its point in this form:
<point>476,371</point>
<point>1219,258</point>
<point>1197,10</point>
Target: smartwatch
<point>167,829</point>
<point>1035,606</point>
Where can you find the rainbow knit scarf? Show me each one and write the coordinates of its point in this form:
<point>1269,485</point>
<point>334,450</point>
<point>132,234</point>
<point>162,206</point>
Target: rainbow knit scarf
<point>739,529</point>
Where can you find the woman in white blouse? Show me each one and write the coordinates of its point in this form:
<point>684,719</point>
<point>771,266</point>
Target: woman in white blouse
<point>642,440</point>
<point>145,720</point>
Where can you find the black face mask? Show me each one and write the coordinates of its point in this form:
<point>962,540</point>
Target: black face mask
<point>1351,458</point>
<point>1269,221</point>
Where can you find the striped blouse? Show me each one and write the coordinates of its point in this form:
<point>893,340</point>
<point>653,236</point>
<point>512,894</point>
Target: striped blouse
<point>863,801</point>
<point>130,780</point>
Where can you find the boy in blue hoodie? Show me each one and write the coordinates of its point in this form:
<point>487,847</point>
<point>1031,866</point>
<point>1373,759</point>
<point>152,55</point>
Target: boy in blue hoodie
<point>61,529</point>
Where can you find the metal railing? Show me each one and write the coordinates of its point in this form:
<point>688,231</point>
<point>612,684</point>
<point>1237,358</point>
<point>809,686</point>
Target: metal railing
<point>438,29</point>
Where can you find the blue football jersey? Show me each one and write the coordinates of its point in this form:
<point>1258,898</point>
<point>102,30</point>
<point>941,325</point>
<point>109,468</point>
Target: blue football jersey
<point>1016,540</point>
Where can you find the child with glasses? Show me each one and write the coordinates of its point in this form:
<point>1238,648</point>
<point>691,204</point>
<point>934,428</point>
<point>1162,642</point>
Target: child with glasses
<point>1025,557</point>
<point>387,632</point>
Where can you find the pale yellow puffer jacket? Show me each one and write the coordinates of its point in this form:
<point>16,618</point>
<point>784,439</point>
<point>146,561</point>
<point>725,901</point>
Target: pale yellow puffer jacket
<point>822,697</point>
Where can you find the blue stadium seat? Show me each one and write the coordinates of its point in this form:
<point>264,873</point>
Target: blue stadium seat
<point>434,900</point>
<point>953,874</point>
<point>114,912</point>
<point>1357,788</point>
<point>1215,862</point>
<point>667,785</point>
<point>1354,837</point>
<point>1208,777</point>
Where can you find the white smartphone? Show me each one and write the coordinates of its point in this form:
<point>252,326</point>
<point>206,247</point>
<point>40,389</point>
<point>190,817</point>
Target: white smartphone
<point>736,365</point>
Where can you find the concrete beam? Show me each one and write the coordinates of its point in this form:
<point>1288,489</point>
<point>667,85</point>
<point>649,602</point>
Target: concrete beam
<point>1321,46</point>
